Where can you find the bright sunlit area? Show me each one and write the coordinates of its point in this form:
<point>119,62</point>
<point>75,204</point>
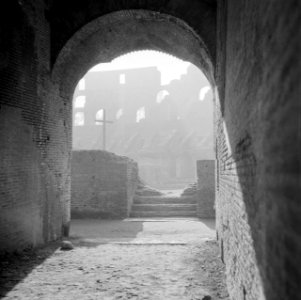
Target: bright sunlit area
<point>169,66</point>
<point>151,107</point>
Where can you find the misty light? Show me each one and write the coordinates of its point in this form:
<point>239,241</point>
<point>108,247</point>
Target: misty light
<point>119,113</point>
<point>82,84</point>
<point>170,67</point>
<point>203,92</point>
<point>80,102</point>
<point>79,119</point>
<point>161,95</point>
<point>99,116</point>
<point>148,106</point>
<point>140,115</point>
<point>122,79</point>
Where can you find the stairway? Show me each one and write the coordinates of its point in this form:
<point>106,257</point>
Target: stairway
<point>163,206</point>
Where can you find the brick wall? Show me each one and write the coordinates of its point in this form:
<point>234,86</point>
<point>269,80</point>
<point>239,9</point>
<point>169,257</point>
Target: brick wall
<point>258,148</point>
<point>103,184</point>
<point>206,188</point>
<point>34,179</point>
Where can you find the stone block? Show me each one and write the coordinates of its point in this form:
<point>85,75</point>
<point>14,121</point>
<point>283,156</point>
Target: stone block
<point>205,188</point>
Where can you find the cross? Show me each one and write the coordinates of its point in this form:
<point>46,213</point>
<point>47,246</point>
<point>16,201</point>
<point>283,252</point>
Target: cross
<point>104,122</point>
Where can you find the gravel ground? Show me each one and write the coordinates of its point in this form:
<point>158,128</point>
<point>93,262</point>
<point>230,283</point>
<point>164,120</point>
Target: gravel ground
<point>131,259</point>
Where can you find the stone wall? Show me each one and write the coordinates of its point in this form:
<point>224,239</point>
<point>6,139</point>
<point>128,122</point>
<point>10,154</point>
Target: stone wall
<point>258,148</point>
<point>206,188</point>
<point>34,132</point>
<point>103,184</point>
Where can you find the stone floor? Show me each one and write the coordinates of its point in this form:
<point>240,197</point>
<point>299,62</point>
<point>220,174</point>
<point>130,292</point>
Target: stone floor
<point>129,259</point>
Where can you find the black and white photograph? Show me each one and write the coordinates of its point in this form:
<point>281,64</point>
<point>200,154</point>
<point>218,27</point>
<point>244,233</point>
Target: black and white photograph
<point>150,149</point>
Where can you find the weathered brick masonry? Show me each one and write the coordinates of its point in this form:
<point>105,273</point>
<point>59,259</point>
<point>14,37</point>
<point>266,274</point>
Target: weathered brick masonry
<point>34,132</point>
<point>258,147</point>
<point>103,184</point>
<point>252,60</point>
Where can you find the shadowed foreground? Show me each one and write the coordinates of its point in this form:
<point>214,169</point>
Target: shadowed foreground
<point>130,259</point>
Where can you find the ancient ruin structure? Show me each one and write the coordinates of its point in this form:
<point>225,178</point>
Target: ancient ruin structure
<point>165,128</point>
<point>105,185</point>
<point>250,53</point>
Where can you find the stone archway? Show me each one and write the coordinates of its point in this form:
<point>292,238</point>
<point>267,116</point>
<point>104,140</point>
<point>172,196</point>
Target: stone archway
<point>112,35</point>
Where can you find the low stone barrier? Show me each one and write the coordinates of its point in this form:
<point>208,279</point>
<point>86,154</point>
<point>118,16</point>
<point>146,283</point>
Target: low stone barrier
<point>103,184</point>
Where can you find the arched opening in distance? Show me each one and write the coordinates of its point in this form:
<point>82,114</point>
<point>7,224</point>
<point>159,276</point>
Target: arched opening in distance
<point>160,110</point>
<point>113,35</point>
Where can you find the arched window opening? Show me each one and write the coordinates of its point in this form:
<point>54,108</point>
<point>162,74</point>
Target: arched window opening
<point>99,117</point>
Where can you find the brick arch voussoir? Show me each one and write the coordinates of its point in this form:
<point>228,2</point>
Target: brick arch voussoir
<point>118,33</point>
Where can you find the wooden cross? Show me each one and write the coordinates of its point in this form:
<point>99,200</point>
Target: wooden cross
<point>104,122</point>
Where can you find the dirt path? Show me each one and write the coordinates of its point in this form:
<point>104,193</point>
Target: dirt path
<point>154,259</point>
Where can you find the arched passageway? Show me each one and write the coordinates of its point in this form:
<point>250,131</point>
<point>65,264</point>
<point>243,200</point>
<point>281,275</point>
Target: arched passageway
<point>128,31</point>
<point>242,47</point>
<point>171,140</point>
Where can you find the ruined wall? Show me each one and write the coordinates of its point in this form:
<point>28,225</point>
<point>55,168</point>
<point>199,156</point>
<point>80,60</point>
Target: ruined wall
<point>103,184</point>
<point>258,147</point>
<point>206,188</point>
<point>34,180</point>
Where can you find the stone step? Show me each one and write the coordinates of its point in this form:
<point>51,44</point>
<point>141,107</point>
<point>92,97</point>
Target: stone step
<point>163,200</point>
<point>164,207</point>
<point>159,214</point>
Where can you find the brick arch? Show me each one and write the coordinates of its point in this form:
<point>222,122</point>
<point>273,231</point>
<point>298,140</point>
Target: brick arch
<point>68,16</point>
<point>118,33</point>
<point>113,35</point>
